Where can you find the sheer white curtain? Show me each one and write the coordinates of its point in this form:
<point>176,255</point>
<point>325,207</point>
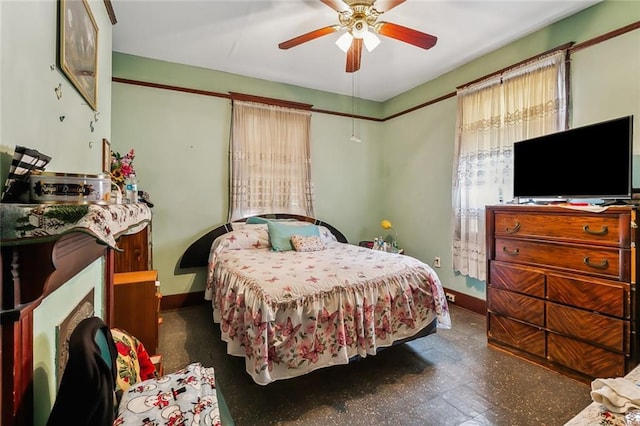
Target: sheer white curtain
<point>270,160</point>
<point>524,102</point>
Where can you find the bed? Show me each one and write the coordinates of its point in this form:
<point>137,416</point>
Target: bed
<point>292,296</point>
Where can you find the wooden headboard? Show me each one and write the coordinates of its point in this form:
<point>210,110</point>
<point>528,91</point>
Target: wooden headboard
<point>197,254</point>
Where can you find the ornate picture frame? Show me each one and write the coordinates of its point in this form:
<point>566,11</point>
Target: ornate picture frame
<point>84,309</point>
<point>78,48</point>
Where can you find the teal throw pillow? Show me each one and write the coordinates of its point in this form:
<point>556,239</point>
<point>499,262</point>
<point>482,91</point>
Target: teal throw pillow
<point>254,220</point>
<point>280,234</point>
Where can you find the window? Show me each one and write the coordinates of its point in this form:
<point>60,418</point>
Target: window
<point>526,101</point>
<point>270,160</point>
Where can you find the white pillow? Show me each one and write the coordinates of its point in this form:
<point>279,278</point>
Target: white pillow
<point>239,226</point>
<point>325,235</point>
<point>248,238</point>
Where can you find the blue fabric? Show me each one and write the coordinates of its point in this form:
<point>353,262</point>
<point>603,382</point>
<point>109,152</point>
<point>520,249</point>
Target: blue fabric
<point>253,220</point>
<point>280,234</point>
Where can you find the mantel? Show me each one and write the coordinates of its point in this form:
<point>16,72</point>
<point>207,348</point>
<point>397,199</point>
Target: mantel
<point>36,223</point>
<point>42,247</point>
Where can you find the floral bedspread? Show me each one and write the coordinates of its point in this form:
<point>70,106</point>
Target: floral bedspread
<point>289,313</point>
<point>29,223</point>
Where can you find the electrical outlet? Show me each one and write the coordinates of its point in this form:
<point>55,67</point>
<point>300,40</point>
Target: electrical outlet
<point>450,297</point>
<point>436,262</point>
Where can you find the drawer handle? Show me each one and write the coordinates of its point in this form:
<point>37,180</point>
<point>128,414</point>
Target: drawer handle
<point>603,231</point>
<point>513,230</point>
<point>601,265</point>
<point>511,253</point>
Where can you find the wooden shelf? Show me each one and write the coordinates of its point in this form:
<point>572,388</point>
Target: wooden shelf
<point>137,307</point>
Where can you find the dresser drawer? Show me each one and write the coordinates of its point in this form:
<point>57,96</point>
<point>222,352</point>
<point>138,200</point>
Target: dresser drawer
<point>605,230</point>
<point>517,278</point>
<point>515,305</point>
<point>608,262</point>
<point>599,329</point>
<point>604,296</point>
<point>516,334</point>
<point>587,359</point>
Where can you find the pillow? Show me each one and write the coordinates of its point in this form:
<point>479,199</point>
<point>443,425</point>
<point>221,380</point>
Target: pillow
<point>133,363</point>
<point>312,243</point>
<point>280,234</point>
<point>246,238</point>
<point>326,235</point>
<point>239,226</point>
<point>253,220</point>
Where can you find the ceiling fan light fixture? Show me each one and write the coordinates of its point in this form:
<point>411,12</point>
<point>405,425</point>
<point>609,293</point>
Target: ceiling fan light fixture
<point>359,28</point>
<point>344,42</point>
<point>371,41</point>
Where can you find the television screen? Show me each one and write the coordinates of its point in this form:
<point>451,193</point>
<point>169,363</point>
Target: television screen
<point>592,161</point>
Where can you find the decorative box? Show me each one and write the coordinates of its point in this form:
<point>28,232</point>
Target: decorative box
<point>70,188</point>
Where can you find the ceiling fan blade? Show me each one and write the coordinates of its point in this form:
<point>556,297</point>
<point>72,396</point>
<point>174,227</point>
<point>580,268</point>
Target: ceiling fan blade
<point>408,35</point>
<point>308,36</point>
<point>354,55</point>
<point>337,5</point>
<point>386,5</point>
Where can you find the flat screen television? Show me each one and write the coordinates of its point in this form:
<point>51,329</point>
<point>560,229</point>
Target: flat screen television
<point>592,161</point>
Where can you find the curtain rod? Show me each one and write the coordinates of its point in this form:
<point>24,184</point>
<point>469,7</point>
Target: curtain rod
<point>517,64</point>
<point>269,101</point>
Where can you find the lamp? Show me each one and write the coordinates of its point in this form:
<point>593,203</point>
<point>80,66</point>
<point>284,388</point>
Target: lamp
<point>344,42</point>
<point>360,29</point>
<point>371,41</point>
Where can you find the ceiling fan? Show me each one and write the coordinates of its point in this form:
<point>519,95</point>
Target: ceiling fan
<point>360,20</point>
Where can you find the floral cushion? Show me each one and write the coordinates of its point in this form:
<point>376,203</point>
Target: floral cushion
<point>133,363</point>
<point>311,243</point>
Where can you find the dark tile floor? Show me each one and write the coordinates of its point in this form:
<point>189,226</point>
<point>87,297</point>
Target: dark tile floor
<point>450,378</point>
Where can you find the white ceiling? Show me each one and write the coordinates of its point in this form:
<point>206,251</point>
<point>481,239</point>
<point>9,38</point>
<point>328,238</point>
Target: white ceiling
<point>242,37</point>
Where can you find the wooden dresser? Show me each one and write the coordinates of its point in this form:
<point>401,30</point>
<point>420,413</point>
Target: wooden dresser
<point>561,287</point>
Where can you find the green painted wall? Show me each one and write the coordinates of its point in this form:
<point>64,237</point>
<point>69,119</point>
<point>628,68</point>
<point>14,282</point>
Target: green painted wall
<point>30,115</point>
<point>182,141</point>
<point>592,22</point>
<point>45,339</point>
<point>605,82</point>
<point>30,111</point>
<point>138,68</point>
<point>402,171</point>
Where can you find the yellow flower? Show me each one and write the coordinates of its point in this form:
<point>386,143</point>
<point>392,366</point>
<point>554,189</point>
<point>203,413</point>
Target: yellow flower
<point>386,224</point>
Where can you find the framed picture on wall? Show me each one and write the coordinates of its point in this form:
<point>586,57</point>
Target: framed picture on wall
<point>78,48</point>
<point>106,156</point>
